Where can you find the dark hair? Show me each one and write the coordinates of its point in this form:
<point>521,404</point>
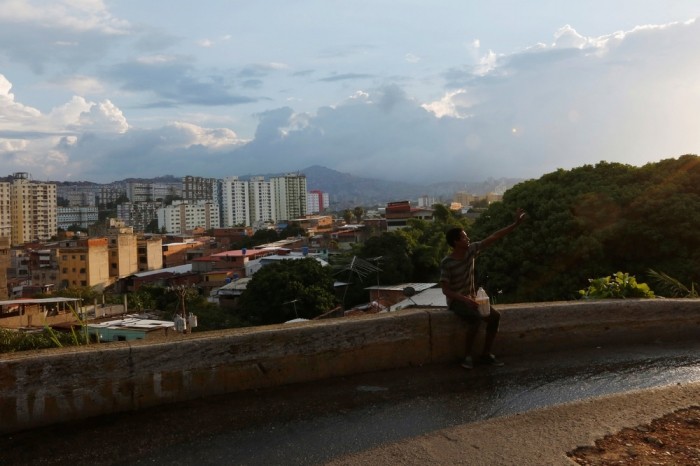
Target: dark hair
<point>452,235</point>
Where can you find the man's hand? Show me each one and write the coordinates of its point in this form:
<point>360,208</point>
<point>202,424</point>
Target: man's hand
<point>520,216</point>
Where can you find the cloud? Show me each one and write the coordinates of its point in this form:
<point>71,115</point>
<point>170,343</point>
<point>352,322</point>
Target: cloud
<point>64,33</point>
<point>629,97</point>
<point>172,81</point>
<point>13,115</point>
<point>346,77</point>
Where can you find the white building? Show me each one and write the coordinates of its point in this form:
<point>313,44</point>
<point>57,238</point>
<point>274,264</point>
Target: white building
<point>262,201</point>
<point>80,216</point>
<point>183,217</point>
<point>235,204</point>
<point>289,192</point>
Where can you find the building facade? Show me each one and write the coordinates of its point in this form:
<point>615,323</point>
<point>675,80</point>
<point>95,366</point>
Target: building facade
<point>148,192</point>
<point>290,196</point>
<point>78,195</point>
<point>138,215</point>
<point>317,202</point>
<point>150,254</point>
<point>83,262</point>
<point>82,217</point>
<point>28,210</point>
<point>262,202</point>
<point>182,217</point>
<point>196,188</point>
<point>123,252</point>
<point>235,201</point>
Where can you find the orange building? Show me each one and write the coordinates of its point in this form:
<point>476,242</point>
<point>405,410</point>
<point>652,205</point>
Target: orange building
<point>84,262</point>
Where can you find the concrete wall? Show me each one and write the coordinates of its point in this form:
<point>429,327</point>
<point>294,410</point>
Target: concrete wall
<point>39,388</point>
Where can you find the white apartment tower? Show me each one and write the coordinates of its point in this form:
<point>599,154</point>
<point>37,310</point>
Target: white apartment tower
<point>290,196</point>
<point>233,198</point>
<point>262,201</point>
<point>183,217</point>
<point>27,210</point>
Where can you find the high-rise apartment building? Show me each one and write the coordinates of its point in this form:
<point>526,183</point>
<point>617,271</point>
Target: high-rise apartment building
<point>235,201</point>
<point>147,192</point>
<point>138,215</point>
<point>110,193</point>
<point>290,196</point>
<point>317,201</point>
<point>196,188</point>
<point>78,195</point>
<point>27,210</point>
<point>262,201</point>
<point>82,216</point>
<point>183,217</point>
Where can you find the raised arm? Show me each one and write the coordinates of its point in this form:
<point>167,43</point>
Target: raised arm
<point>520,216</point>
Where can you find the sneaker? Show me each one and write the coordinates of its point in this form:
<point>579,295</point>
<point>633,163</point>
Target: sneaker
<point>467,363</point>
<point>490,360</point>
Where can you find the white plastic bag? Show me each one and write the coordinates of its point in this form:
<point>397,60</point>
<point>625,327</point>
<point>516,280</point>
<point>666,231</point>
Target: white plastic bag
<point>482,299</point>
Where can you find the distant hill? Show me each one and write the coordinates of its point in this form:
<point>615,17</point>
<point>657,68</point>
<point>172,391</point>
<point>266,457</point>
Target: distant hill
<point>347,191</point>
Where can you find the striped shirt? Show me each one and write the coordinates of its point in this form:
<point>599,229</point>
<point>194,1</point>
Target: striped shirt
<point>457,273</point>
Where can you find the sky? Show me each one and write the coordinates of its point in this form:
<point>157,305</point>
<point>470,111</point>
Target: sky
<point>405,90</point>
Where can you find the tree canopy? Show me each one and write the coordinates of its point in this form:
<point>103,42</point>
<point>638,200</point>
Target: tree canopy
<point>286,290</point>
<point>593,221</point>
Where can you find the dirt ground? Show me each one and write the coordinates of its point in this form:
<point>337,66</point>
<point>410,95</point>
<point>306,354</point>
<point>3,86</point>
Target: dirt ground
<point>671,440</point>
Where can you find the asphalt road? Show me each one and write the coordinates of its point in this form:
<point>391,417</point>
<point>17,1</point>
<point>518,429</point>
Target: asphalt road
<point>313,423</point>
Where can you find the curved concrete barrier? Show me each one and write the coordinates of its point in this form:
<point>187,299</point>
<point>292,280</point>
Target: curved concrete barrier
<point>39,388</point>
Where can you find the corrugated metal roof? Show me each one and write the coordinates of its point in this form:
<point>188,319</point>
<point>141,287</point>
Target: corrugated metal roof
<point>38,301</point>
<point>402,286</point>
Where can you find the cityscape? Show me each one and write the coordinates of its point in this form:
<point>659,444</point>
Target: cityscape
<point>121,236</point>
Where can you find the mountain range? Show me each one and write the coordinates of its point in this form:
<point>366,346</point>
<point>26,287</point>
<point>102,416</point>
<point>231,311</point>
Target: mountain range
<point>347,191</point>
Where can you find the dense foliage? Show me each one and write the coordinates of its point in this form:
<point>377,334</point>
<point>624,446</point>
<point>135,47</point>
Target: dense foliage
<point>286,290</point>
<point>590,222</point>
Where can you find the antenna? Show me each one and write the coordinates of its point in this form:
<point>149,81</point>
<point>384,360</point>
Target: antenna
<point>409,292</point>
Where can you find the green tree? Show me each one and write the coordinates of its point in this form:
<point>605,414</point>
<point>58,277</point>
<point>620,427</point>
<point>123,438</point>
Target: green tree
<point>589,220</point>
<point>286,290</point>
<point>358,212</point>
<point>348,215</point>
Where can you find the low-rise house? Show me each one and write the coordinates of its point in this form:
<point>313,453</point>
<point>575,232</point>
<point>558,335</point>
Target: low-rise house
<point>399,213</point>
<point>392,294</point>
<point>128,328</point>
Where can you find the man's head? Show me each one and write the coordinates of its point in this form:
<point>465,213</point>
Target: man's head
<point>454,235</point>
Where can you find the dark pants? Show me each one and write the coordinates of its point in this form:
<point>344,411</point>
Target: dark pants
<point>470,314</point>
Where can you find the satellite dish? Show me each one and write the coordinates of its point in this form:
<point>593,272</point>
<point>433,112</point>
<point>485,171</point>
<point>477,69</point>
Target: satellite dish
<point>409,291</point>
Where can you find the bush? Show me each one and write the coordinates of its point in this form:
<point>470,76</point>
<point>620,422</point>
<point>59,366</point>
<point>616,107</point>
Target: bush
<point>619,286</point>
<point>12,341</point>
